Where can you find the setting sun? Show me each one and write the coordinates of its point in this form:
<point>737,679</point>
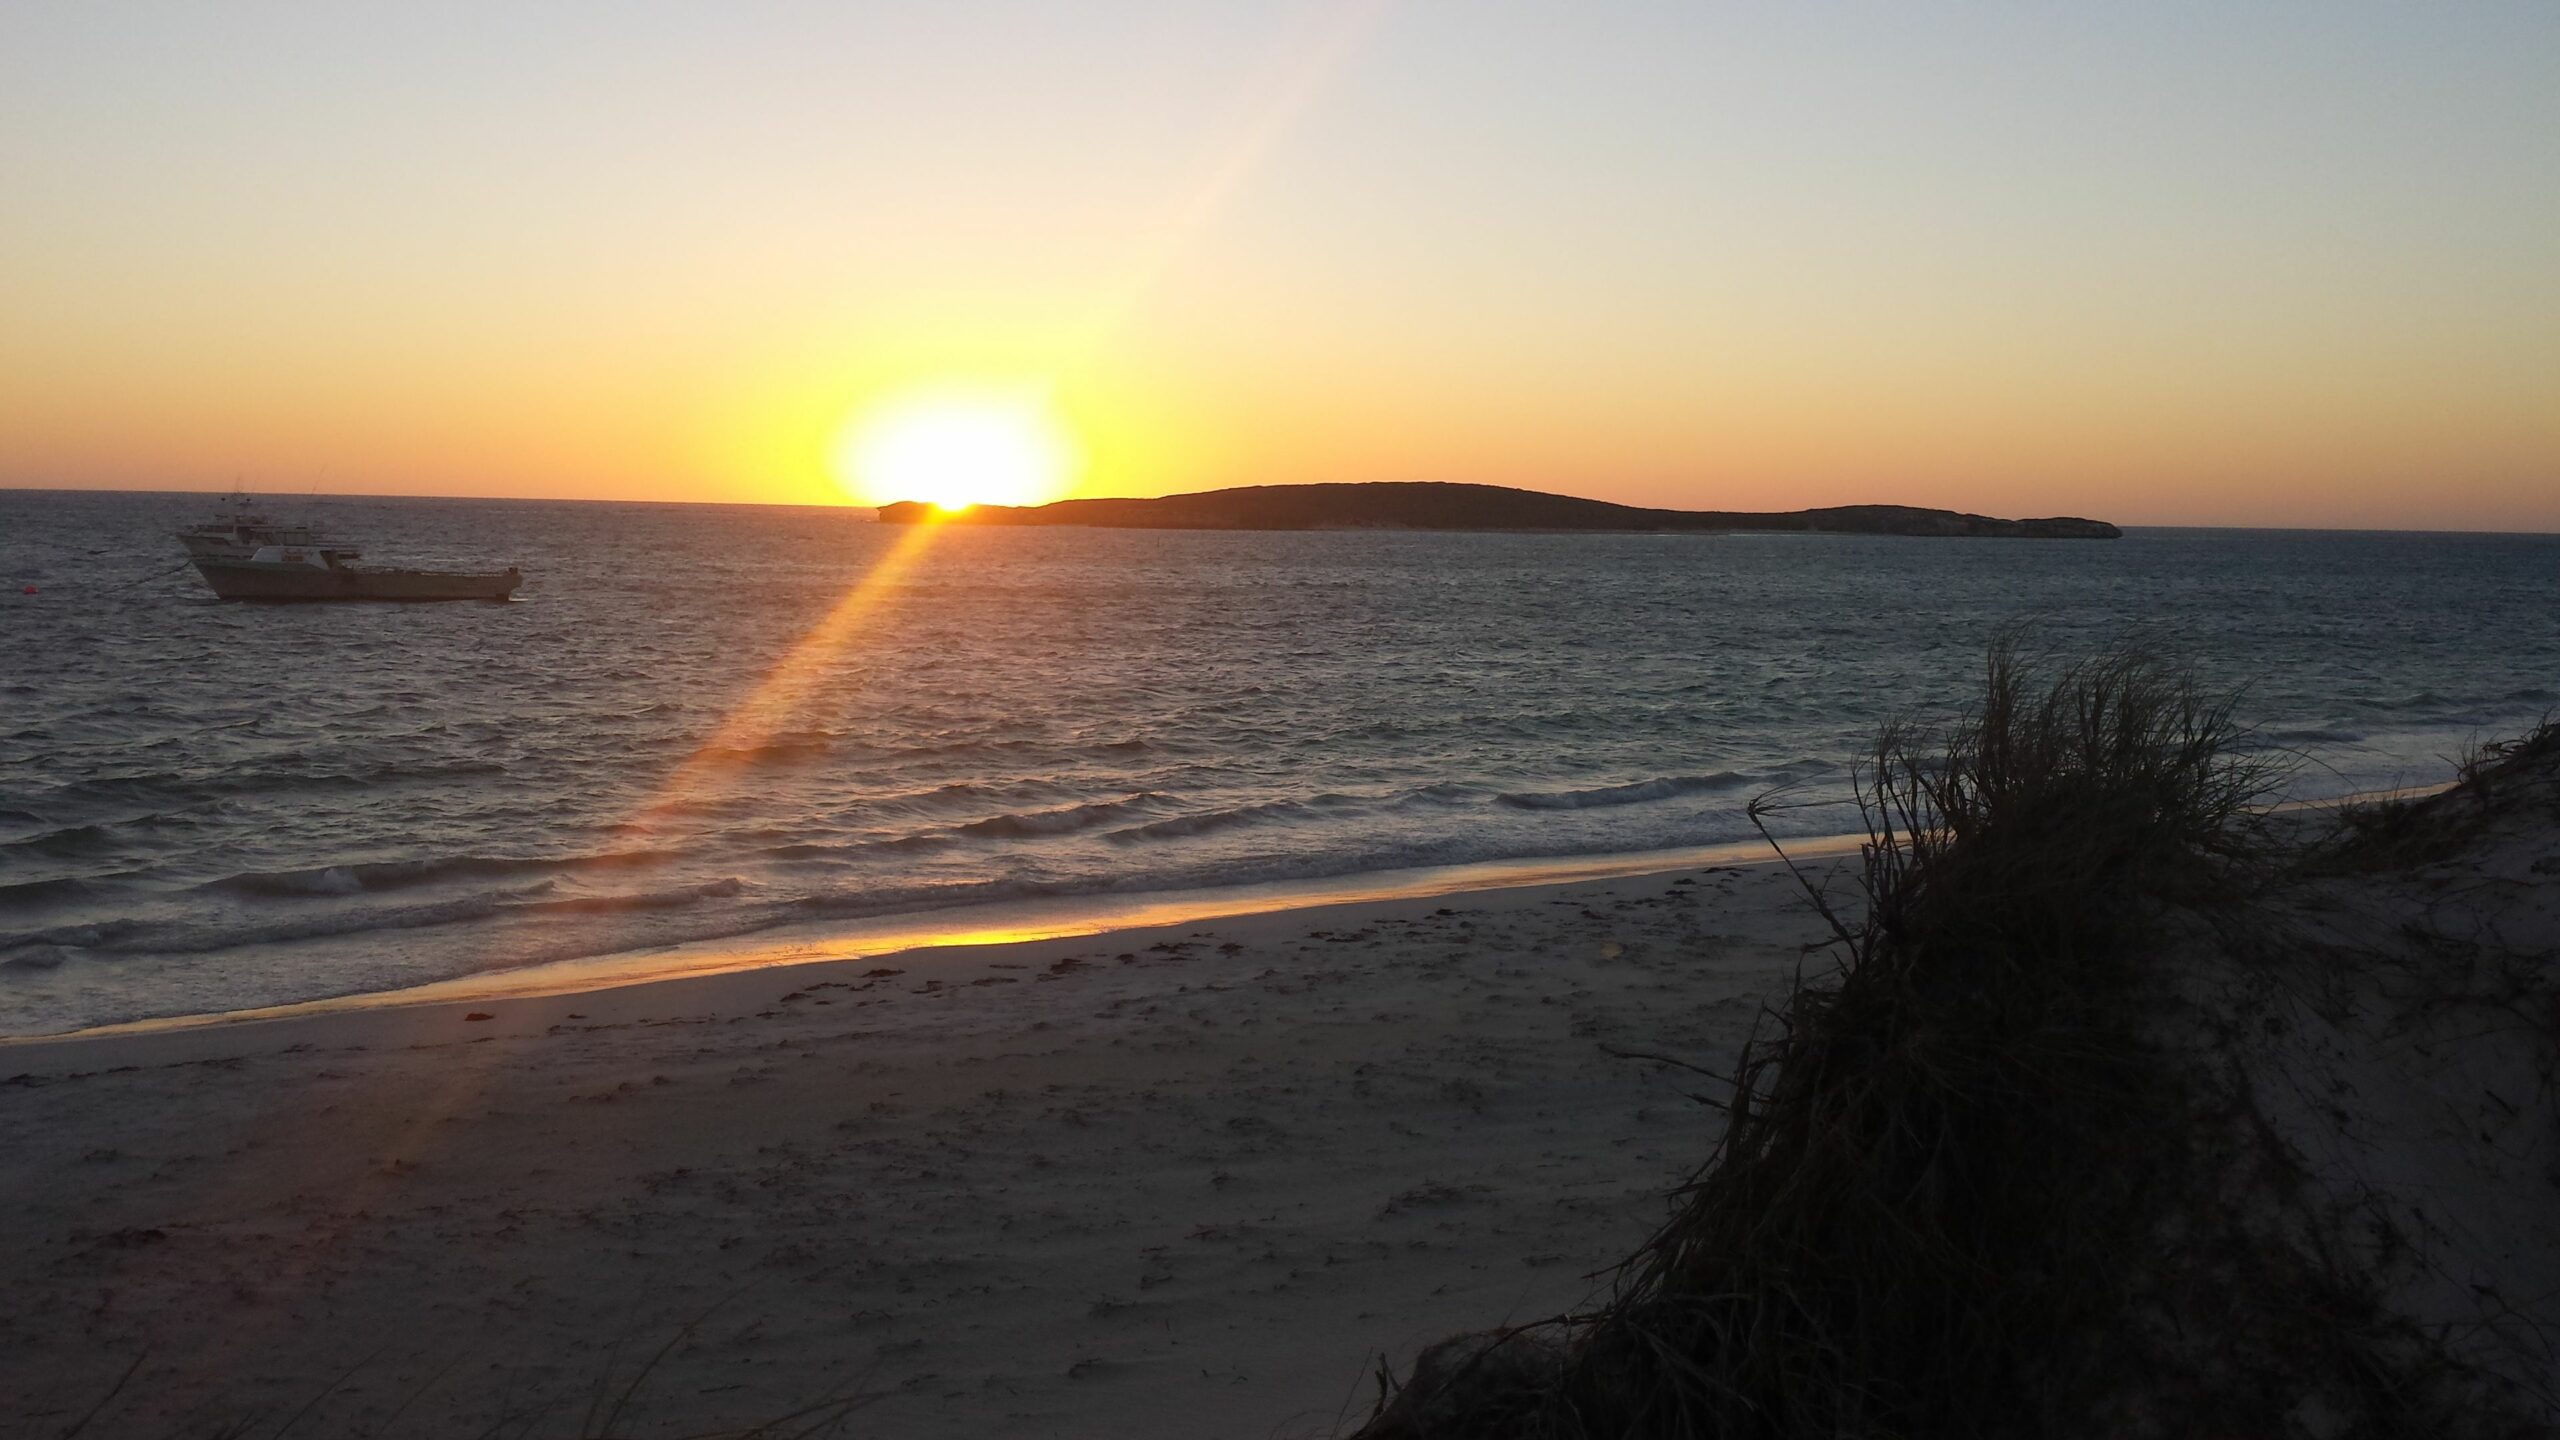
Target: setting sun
<point>957,448</point>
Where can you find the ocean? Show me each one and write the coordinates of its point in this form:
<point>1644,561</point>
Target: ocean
<point>704,722</point>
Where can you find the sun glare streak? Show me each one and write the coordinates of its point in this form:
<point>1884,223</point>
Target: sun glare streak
<point>1299,76</point>
<point>403,1116</point>
<point>954,448</point>
<point>768,707</point>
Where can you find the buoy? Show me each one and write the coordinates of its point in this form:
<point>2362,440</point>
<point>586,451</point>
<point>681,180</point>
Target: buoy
<point>30,590</point>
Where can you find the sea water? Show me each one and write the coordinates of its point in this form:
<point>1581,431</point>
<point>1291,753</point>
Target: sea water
<point>697,722</point>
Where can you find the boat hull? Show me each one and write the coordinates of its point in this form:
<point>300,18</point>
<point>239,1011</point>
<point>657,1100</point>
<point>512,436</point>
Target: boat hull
<point>261,580</point>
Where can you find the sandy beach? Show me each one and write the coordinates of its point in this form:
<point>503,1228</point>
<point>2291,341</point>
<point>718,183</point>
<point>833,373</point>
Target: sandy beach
<point>1180,1181</point>
<point>1318,721</point>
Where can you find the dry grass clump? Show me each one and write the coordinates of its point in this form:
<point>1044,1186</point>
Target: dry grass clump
<point>2382,834</point>
<point>1936,1176</point>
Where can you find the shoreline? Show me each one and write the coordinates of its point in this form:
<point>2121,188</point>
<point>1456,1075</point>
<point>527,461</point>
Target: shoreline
<point>1191,1172</point>
<point>1186,1178</point>
<point>1010,922</point>
<point>1023,921</point>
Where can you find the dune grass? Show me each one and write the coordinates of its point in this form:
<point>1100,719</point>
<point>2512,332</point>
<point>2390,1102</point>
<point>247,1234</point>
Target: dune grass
<point>2381,834</point>
<point>1935,1172</point>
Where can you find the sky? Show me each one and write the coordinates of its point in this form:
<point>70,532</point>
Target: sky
<point>2172,263</point>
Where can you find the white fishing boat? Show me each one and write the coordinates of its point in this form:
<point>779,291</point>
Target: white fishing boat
<point>238,529</point>
<point>243,555</point>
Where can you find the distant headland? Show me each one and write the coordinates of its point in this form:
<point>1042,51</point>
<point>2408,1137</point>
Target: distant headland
<point>1440,505</point>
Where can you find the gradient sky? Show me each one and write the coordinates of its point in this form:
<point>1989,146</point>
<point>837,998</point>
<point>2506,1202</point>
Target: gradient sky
<point>2161,263</point>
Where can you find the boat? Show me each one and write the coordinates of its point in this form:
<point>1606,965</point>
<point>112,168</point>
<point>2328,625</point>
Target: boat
<point>243,555</point>
<point>237,530</point>
<point>295,572</point>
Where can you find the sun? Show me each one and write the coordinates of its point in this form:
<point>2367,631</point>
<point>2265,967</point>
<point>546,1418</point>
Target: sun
<point>957,447</point>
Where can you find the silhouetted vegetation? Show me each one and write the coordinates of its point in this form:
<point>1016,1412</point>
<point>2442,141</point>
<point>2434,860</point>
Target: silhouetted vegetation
<point>1933,1178</point>
<point>2377,834</point>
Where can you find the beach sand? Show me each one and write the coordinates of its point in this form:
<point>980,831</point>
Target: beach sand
<point>1176,1182</point>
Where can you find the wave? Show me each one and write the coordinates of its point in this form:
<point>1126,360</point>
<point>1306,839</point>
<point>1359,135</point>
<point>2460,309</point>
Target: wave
<point>71,842</point>
<point>860,904</point>
<point>903,844</point>
<point>175,787</point>
<point>773,750</point>
<point>100,838</point>
<point>129,936</point>
<point>1445,792</point>
<point>1181,826</point>
<point>380,875</point>
<point>1636,793</point>
<point>324,880</point>
<point>45,892</point>
<point>2314,736</point>
<point>674,899</point>
<point>1039,824</point>
<point>962,796</point>
<point>892,756</point>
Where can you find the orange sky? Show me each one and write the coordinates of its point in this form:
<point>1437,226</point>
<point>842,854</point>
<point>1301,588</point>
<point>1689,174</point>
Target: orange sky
<point>2180,267</point>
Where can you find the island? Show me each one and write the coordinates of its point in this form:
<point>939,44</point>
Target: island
<point>1445,505</point>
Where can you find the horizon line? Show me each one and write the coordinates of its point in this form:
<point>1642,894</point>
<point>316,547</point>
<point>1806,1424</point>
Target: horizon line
<point>286,495</point>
